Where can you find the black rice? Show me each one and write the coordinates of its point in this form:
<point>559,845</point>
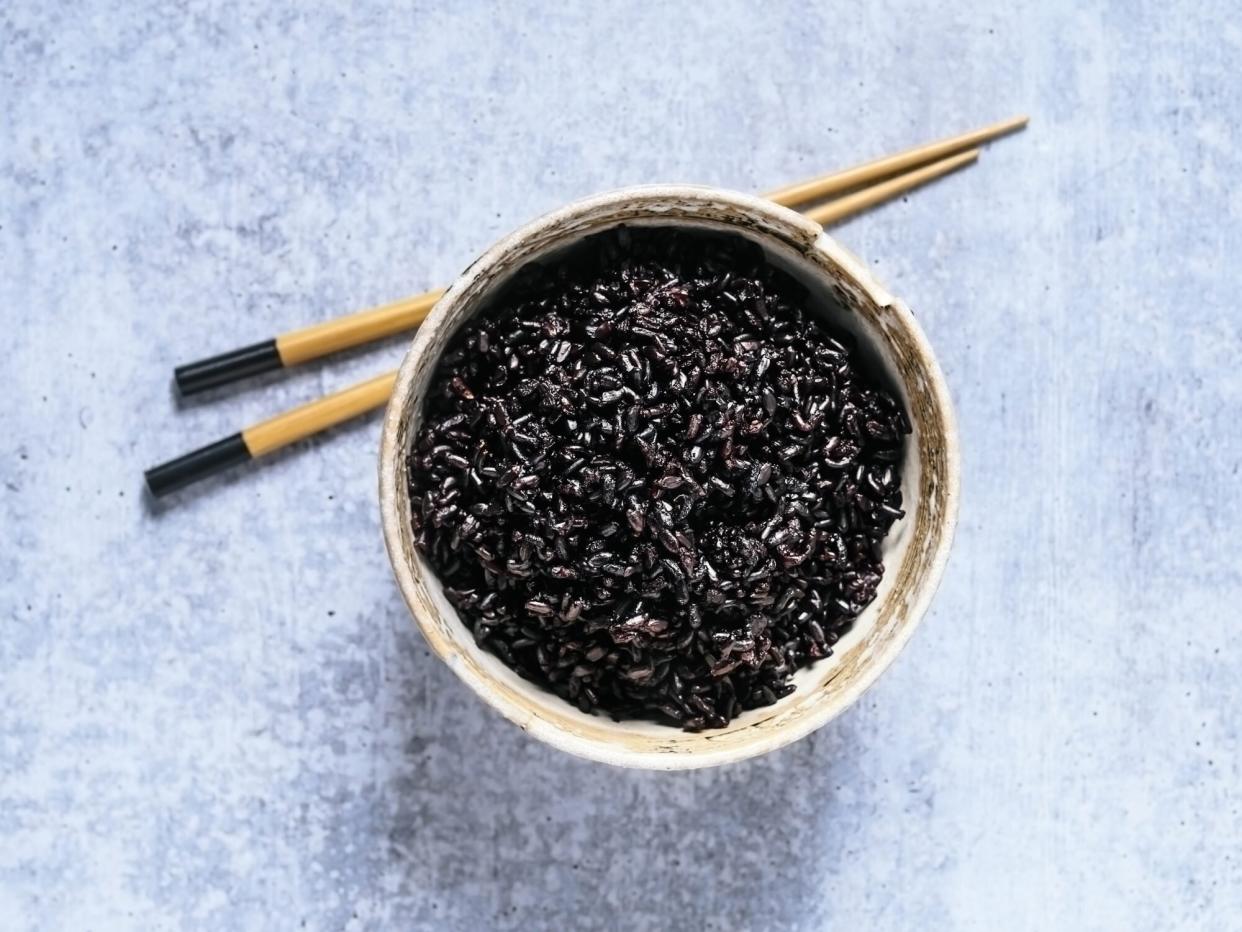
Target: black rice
<point>652,481</point>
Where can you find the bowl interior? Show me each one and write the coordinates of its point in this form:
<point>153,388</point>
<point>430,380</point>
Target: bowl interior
<point>843,293</point>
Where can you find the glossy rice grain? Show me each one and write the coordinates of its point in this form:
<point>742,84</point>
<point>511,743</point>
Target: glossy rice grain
<point>652,481</point>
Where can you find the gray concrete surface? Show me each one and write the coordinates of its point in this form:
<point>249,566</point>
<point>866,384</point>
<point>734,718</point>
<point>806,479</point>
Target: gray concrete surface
<point>218,715</point>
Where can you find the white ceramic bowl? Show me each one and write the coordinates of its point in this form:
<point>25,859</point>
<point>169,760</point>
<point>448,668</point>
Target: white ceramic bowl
<point>914,552</point>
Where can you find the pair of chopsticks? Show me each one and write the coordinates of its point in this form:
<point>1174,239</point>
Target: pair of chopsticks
<point>860,187</point>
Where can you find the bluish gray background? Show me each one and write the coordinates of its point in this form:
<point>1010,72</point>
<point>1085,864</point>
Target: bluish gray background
<point>219,715</point>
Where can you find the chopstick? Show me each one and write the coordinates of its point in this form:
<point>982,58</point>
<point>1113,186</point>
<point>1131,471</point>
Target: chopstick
<point>331,336</point>
<point>828,185</point>
<point>319,415</point>
<point>862,200</point>
<point>270,435</point>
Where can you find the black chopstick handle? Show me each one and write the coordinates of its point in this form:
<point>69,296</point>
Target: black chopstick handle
<point>228,367</point>
<point>199,464</point>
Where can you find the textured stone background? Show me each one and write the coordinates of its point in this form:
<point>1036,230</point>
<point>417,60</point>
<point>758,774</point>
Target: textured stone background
<point>218,715</point>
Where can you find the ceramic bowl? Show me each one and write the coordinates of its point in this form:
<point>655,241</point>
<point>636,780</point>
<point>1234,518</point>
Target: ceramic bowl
<point>914,553</point>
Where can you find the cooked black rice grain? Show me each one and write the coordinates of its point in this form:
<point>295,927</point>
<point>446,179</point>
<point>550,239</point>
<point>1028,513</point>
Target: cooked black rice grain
<point>654,483</point>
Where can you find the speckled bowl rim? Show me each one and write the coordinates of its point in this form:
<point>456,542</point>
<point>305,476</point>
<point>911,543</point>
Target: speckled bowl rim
<point>601,739</point>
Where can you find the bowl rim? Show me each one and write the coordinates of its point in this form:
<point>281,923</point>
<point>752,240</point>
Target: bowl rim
<point>393,519</point>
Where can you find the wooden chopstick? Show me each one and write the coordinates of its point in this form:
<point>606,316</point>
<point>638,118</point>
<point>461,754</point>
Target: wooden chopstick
<point>270,435</point>
<point>829,185</point>
<point>859,201</point>
<point>331,336</point>
<point>319,415</point>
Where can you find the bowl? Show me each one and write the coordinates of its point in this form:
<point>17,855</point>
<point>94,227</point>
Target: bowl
<point>914,552</point>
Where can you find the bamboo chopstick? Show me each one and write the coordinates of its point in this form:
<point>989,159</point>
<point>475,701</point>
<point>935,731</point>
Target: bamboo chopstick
<point>331,336</point>
<point>270,435</point>
<point>829,185</point>
<point>859,201</point>
<point>331,410</point>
